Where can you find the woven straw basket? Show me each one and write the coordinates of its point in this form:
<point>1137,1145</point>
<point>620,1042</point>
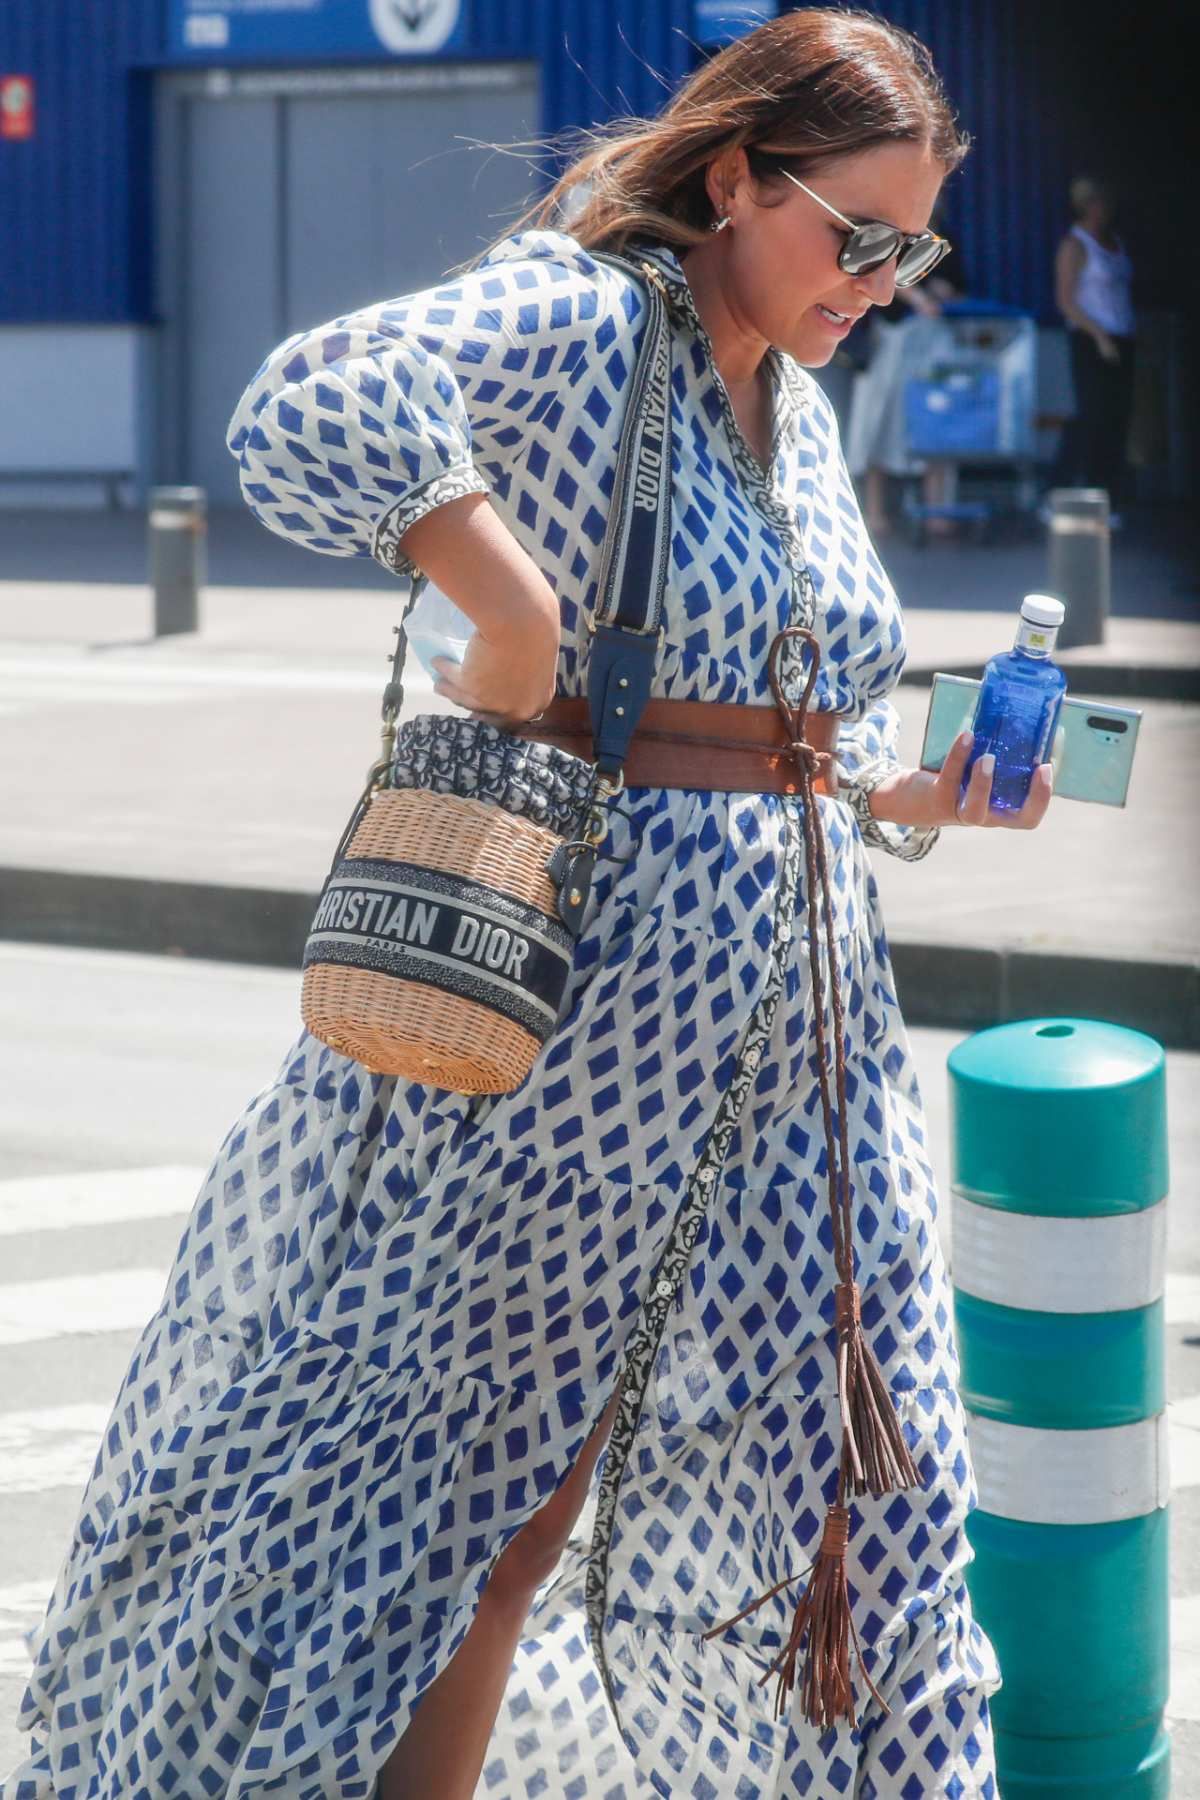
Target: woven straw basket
<point>450,891</point>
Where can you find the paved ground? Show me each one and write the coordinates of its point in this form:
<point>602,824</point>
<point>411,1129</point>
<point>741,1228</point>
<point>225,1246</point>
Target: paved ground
<point>228,760</point>
<point>119,1075</point>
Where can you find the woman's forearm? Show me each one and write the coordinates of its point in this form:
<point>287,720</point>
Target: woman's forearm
<point>1080,320</point>
<point>467,551</point>
<point>889,798</point>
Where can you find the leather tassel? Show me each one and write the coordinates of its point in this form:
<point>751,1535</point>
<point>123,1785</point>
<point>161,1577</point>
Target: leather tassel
<point>823,1617</point>
<point>877,1456</point>
<point>817,1654</point>
<point>821,1635</point>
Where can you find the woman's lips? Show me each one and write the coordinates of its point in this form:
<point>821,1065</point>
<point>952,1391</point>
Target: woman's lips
<point>839,323</point>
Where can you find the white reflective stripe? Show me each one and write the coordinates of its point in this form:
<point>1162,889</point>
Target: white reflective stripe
<point>1058,1265</point>
<point>1070,1477</point>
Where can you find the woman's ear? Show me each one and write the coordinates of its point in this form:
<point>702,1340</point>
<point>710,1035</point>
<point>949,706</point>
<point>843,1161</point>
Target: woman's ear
<point>723,179</point>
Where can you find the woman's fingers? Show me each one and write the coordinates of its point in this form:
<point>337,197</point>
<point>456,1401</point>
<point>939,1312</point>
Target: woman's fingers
<point>949,776</point>
<point>972,808</point>
<point>450,687</point>
<point>974,805</point>
<point>1033,810</point>
<point>1037,801</point>
<point>447,683</point>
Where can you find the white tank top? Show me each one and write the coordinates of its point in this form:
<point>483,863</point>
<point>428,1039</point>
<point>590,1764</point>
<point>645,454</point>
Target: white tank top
<point>1103,289</point>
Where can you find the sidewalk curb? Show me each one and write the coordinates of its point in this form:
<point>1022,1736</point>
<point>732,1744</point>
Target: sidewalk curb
<point>956,986</point>
<point>1097,680</point>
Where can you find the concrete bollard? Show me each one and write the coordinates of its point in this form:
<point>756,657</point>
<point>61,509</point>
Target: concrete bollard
<point>176,531</point>
<point>1079,563</point>
<point>1058,1251</point>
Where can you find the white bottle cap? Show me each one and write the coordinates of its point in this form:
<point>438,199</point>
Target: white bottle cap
<point>1043,609</point>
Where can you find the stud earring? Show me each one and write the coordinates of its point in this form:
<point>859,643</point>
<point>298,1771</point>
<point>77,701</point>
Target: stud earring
<point>721,223</point>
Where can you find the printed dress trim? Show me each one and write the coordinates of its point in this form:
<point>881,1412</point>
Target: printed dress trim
<point>856,791</point>
<point>452,484</point>
<point>672,1267</point>
<point>791,397</point>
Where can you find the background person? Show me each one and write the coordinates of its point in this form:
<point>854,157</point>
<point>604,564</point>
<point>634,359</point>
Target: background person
<point>1093,287</point>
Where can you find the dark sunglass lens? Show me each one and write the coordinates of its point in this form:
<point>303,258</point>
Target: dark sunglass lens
<point>918,259</point>
<point>868,247</point>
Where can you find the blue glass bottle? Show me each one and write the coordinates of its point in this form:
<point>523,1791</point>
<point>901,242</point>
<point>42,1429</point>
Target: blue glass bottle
<point>1016,713</point>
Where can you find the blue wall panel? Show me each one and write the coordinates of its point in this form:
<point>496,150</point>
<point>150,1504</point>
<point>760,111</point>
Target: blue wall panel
<point>74,199</point>
<point>621,57</point>
<point>1034,85</point>
<point>1004,208</point>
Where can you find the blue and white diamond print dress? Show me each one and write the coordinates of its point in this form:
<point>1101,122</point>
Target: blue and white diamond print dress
<point>396,1314</point>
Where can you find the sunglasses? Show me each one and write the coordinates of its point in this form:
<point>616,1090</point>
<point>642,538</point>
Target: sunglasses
<point>873,243</point>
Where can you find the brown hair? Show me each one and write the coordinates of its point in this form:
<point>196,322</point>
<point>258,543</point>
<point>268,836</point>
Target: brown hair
<point>801,90</point>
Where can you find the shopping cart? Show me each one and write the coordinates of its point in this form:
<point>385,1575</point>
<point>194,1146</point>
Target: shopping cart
<point>971,410</point>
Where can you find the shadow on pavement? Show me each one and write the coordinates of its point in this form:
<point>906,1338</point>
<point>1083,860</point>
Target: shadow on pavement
<point>1156,560</point>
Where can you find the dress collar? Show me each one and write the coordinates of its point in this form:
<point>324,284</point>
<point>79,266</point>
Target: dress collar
<point>793,395</point>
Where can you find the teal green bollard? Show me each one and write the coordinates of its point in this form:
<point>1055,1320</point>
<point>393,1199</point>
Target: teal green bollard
<point>1059,1158</point>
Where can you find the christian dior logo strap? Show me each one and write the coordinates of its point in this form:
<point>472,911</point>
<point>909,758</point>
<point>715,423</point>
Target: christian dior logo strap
<point>633,562</point>
<point>419,924</point>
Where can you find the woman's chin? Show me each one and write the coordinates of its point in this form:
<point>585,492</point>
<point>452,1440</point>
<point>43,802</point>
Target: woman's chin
<point>814,353</point>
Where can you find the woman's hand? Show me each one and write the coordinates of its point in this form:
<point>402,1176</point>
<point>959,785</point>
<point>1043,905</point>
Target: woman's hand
<point>1106,346</point>
<point>927,797</point>
<point>507,674</point>
<point>502,684</point>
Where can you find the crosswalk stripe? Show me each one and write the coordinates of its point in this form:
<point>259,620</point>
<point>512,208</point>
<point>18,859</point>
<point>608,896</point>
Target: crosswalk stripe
<point>98,1197</point>
<point>22,1607</point>
<point>109,1300</point>
<point>1184,1700</point>
<point>53,1446</point>
<point>1182,1300</point>
<point>1183,1421</point>
<point>99,679</point>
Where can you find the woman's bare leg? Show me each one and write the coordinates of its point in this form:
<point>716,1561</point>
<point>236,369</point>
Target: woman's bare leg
<point>875,504</point>
<point>939,485</point>
<point>440,1756</point>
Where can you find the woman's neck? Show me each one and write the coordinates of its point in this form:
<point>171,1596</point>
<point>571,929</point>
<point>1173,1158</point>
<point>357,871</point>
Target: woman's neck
<point>738,351</point>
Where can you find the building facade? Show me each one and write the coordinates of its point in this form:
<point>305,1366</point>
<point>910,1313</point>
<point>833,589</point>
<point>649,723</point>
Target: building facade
<point>183,182</point>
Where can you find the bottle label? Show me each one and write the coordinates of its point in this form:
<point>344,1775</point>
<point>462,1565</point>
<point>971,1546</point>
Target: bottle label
<point>1036,640</point>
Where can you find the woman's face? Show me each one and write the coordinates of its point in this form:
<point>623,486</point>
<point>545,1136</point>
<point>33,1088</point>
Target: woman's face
<point>780,277</point>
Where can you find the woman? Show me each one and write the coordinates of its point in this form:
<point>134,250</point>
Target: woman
<point>1093,284</point>
<point>333,1544</point>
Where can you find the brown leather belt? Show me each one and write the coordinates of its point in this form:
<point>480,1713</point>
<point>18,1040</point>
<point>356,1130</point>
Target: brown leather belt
<point>699,744</point>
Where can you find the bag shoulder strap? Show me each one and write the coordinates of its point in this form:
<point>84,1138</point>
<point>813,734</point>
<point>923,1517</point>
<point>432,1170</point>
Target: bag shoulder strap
<point>626,625</point>
<point>627,621</point>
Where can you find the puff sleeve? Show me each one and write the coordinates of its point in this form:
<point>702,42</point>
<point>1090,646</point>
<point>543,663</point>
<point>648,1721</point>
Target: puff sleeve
<point>352,432</point>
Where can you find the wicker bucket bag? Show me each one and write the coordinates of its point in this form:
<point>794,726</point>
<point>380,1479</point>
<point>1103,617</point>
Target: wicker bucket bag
<point>444,935</point>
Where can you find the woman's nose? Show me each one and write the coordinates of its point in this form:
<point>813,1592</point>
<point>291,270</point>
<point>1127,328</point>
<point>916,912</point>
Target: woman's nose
<point>880,285</point>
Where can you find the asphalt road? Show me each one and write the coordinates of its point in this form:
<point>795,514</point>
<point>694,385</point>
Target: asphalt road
<point>119,1075</point>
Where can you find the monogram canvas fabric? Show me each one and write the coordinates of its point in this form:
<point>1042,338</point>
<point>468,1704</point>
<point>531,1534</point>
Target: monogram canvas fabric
<point>396,1314</point>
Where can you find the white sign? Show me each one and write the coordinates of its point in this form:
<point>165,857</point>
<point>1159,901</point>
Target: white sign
<point>206,31</point>
<point>410,25</point>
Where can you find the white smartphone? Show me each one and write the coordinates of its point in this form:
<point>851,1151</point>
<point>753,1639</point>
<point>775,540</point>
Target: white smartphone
<point>1093,744</point>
